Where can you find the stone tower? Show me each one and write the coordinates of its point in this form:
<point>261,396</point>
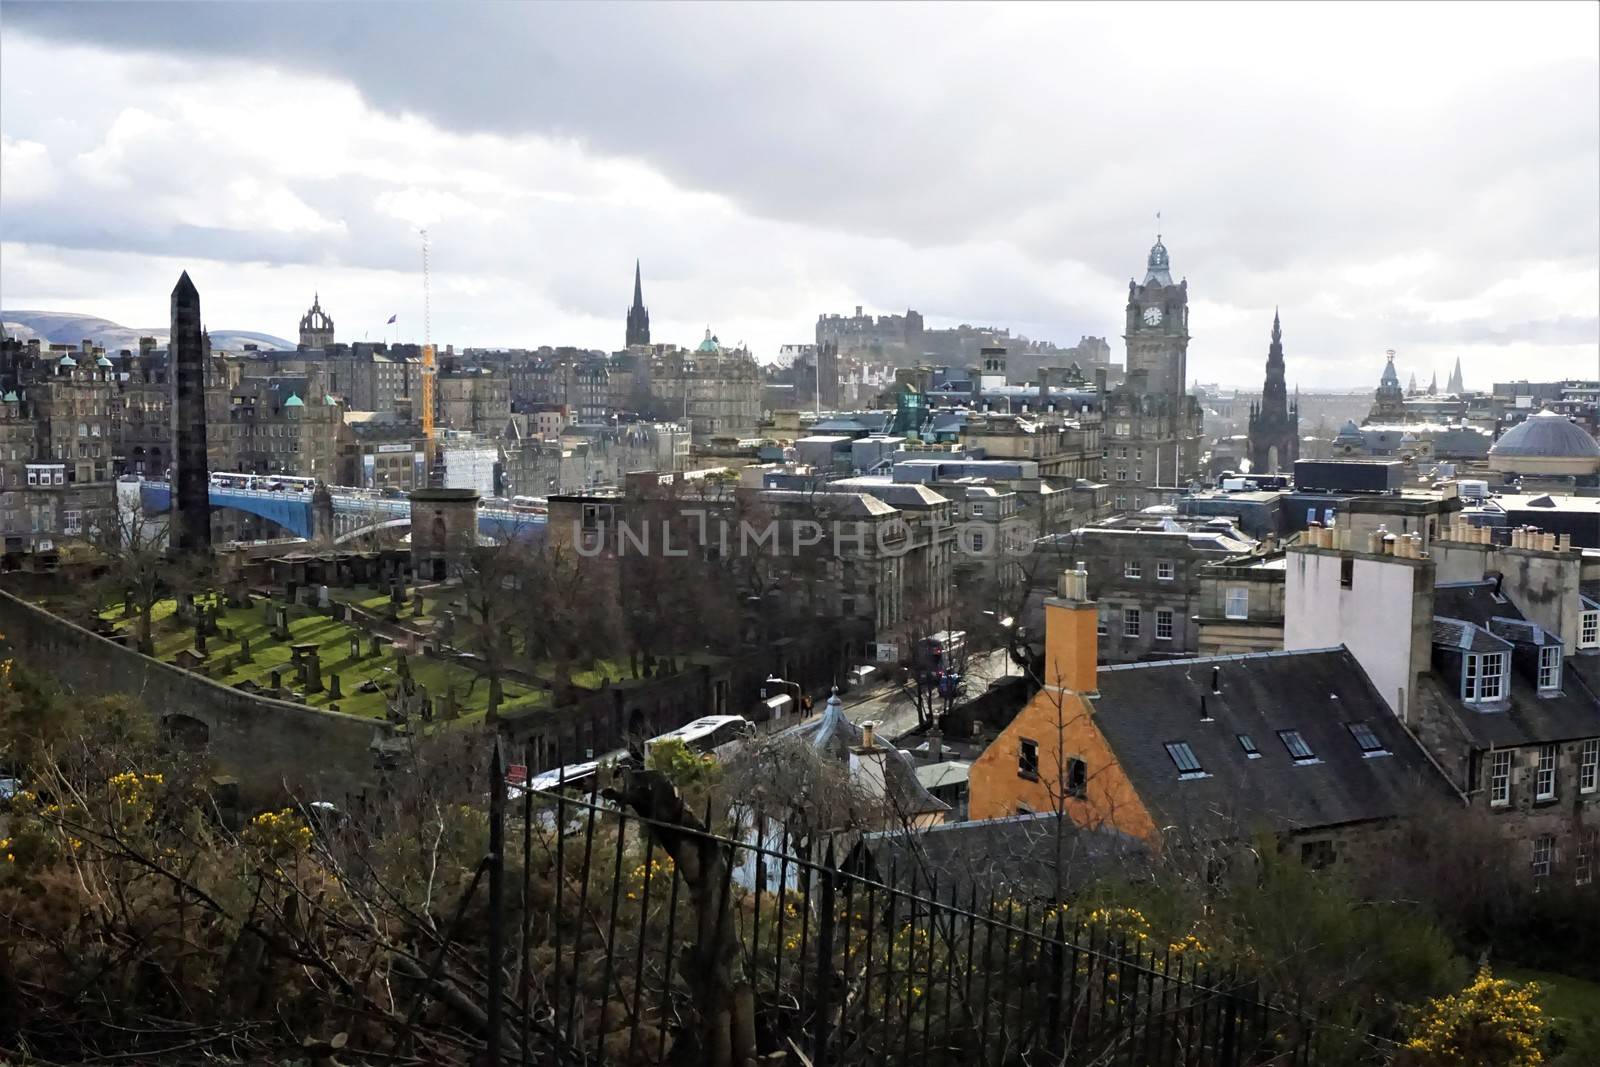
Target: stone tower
<point>1274,422</point>
<point>190,529</point>
<point>638,314</point>
<point>1157,333</point>
<point>1389,400</point>
<point>316,327</point>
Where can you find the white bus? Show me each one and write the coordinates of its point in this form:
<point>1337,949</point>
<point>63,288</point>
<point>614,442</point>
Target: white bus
<point>707,733</point>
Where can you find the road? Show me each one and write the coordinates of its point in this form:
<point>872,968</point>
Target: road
<point>895,713</point>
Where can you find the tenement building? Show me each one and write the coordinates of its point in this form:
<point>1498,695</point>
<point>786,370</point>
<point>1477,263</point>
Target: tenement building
<point>1145,573</point>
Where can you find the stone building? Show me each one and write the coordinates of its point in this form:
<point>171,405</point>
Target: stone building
<point>316,327</point>
<point>1274,422</point>
<point>1151,428</point>
<point>278,431</point>
<point>1145,572</point>
<point>716,391</point>
<point>1240,604</point>
<point>187,352</point>
<point>1480,651</point>
<point>473,399</point>
<point>1206,753</point>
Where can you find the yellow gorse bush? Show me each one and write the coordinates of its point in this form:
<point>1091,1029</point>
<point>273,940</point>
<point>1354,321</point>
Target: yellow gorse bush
<point>278,832</point>
<point>1491,1021</point>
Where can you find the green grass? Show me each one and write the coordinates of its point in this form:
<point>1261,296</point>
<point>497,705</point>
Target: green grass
<point>1562,996</point>
<point>332,639</point>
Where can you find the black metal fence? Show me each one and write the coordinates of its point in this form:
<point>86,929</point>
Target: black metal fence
<point>639,940</point>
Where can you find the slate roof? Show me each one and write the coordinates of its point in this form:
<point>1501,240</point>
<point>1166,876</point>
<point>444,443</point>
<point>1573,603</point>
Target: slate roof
<point>1481,623</point>
<point>1545,433</point>
<point>1015,855</point>
<point>833,733</point>
<point>1143,707</point>
<point>1466,636</point>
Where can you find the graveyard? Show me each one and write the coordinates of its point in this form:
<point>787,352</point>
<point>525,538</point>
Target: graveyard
<point>333,655</point>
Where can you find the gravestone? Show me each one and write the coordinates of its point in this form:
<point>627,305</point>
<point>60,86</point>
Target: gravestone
<point>339,611</point>
<point>200,638</point>
<point>244,650</point>
<point>277,679</point>
<point>269,612</point>
<point>280,628</point>
<point>323,600</point>
<point>333,687</point>
<point>311,671</point>
<point>355,646</point>
<point>416,604</point>
<point>291,591</point>
<point>374,645</point>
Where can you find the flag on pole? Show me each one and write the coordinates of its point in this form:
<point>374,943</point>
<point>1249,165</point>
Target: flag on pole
<point>391,320</point>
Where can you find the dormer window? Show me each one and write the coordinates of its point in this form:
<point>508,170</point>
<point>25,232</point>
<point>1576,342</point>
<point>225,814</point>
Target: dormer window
<point>1550,669</point>
<point>1589,629</point>
<point>1484,677</point>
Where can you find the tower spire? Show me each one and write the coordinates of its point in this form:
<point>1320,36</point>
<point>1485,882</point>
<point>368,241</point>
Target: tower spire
<point>638,329</point>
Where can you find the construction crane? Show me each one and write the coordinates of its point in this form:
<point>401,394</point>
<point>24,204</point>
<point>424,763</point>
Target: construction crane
<point>429,450</point>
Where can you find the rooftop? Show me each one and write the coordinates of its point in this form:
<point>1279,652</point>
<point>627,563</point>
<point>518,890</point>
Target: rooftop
<point>1213,705</point>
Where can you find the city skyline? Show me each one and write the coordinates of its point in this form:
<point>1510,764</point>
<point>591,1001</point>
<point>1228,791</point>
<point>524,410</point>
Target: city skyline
<point>1440,203</point>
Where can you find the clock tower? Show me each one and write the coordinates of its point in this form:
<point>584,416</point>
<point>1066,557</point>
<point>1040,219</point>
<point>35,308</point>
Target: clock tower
<point>1158,326</point>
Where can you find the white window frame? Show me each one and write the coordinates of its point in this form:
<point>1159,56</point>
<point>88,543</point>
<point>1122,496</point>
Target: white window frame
<point>1163,623</point>
<point>1583,862</point>
<point>1132,569</point>
<point>1549,668</point>
<point>1475,681</point>
<point>1101,626</point>
<point>1589,766</point>
<point>1233,594</point>
<point>1132,623</point>
<point>1164,570</point>
<point>1544,776</point>
<point>1589,629</point>
<point>1544,852</point>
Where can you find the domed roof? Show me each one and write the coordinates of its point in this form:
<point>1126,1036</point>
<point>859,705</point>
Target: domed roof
<point>710,344</point>
<point>294,401</point>
<point>1350,429</point>
<point>103,361</point>
<point>1158,266</point>
<point>1547,434</point>
<point>67,361</point>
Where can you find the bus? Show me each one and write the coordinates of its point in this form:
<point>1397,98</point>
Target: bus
<point>707,733</point>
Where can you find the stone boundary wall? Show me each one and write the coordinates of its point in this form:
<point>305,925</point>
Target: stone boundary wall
<point>275,749</point>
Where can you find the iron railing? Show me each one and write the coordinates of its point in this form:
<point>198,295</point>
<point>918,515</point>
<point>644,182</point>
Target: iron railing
<point>612,957</point>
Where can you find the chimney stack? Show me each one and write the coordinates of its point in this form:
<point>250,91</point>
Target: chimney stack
<point>867,730</point>
<point>935,745</point>
<point>1071,641</point>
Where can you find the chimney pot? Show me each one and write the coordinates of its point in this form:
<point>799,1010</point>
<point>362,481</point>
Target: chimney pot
<point>867,730</point>
<point>1205,716</point>
<point>1216,680</point>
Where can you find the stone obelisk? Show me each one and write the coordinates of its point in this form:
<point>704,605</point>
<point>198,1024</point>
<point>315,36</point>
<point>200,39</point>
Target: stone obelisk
<point>190,529</point>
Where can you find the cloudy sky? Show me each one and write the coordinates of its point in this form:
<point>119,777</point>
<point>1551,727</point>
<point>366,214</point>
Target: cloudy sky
<point>1420,178</point>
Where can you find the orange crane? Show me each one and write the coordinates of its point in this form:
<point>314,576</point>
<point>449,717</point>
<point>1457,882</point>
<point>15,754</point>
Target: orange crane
<point>427,362</point>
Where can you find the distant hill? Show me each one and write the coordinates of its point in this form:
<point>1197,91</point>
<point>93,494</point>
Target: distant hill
<point>64,328</point>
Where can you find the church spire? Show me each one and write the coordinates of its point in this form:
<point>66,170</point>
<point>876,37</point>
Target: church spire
<point>638,331</point>
<point>1456,385</point>
<point>1274,429</point>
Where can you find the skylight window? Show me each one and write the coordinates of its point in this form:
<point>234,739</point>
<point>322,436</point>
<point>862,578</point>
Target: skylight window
<point>1248,743</point>
<point>1370,745</point>
<point>1297,746</point>
<point>1185,760</point>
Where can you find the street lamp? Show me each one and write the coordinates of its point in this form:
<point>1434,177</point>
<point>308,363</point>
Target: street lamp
<point>773,680</point>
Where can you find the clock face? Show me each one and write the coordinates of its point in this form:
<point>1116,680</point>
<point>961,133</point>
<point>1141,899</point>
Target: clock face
<point>1152,316</point>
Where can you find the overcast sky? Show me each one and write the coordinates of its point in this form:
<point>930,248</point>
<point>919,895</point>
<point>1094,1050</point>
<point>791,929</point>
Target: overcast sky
<point>1419,178</point>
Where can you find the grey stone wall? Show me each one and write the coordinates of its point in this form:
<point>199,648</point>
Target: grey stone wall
<point>275,749</point>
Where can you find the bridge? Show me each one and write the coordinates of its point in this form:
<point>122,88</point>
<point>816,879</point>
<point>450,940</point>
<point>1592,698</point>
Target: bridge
<point>356,512</point>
